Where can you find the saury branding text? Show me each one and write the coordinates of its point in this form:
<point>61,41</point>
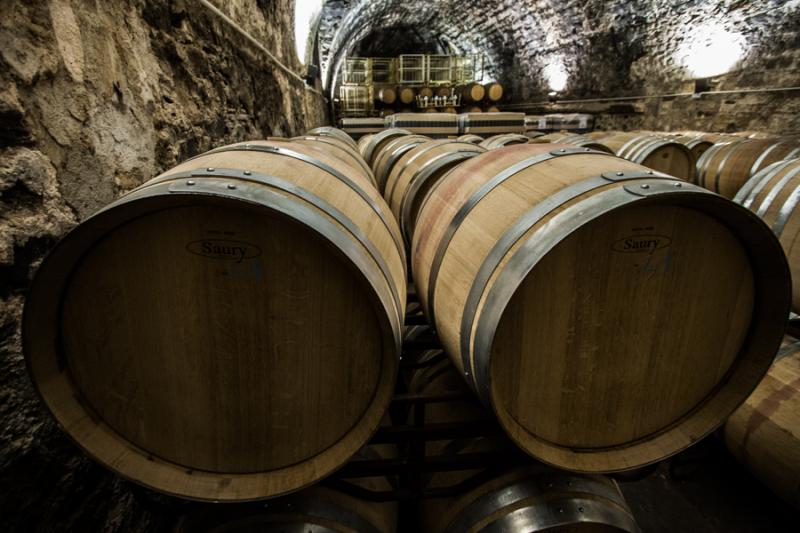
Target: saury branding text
<point>641,243</point>
<point>224,249</point>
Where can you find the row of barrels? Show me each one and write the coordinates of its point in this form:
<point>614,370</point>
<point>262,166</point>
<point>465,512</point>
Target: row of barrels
<point>231,329</point>
<point>472,93</point>
<point>673,155</point>
<point>451,110</point>
<point>768,164</point>
<point>560,279</point>
<point>665,155</point>
<point>719,162</point>
<point>724,162</point>
<point>763,432</point>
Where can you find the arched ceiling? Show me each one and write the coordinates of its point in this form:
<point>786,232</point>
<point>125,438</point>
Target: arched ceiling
<point>467,25</point>
<point>602,46</point>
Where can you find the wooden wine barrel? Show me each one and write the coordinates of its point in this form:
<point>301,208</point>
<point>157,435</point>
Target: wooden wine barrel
<point>176,334</point>
<point>492,123</point>
<point>718,137</point>
<point>658,153</point>
<point>333,132</point>
<point>364,141</point>
<point>387,95</point>
<point>535,122</point>
<point>426,92</point>
<point>534,499</point>
<point>505,139</point>
<point>572,139</point>
<point>494,91</point>
<point>374,145</point>
<point>444,91</point>
<point>764,433</point>
<point>493,109</point>
<point>472,92</point>
<point>391,152</point>
<point>751,134</point>
<point>470,138</point>
<point>773,194</point>
<point>526,497</point>
<point>530,134</point>
<point>360,125</point>
<point>725,167</point>
<point>596,135</point>
<point>695,143</point>
<point>431,110</point>
<point>339,149</point>
<point>678,299</point>
<point>450,109</point>
<point>552,137</point>
<point>406,95</point>
<point>474,109</point>
<point>417,171</point>
<point>431,123</point>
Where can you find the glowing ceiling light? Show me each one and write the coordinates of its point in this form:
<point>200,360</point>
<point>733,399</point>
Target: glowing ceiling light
<point>556,74</point>
<point>711,50</point>
<point>304,12</point>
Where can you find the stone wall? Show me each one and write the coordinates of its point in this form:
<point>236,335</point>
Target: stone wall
<point>625,52</point>
<point>96,98</point>
<point>606,48</point>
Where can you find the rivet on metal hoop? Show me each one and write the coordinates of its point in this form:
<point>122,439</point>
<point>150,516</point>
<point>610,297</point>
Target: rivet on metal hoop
<point>620,173</point>
<point>190,183</point>
<point>645,186</point>
<point>231,186</point>
<point>210,169</point>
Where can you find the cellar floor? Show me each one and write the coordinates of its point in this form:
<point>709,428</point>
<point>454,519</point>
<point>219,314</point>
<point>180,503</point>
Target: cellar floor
<point>705,490</point>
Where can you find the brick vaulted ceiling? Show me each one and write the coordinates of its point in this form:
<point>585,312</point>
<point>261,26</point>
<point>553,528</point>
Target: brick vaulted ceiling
<point>604,46</point>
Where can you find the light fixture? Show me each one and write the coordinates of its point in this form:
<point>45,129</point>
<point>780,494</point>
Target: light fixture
<point>556,74</point>
<point>304,12</point>
<point>710,50</point>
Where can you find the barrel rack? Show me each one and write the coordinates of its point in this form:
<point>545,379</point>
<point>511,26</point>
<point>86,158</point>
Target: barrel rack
<point>410,432</point>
